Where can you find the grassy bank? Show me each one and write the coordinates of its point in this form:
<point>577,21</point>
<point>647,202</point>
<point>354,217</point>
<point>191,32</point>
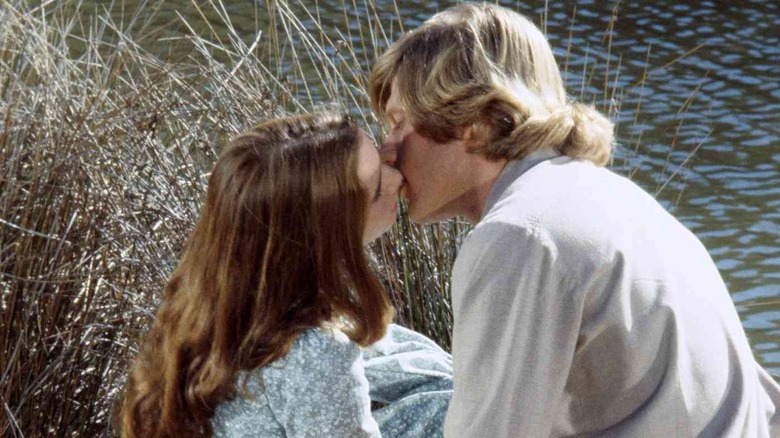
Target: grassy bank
<point>105,147</point>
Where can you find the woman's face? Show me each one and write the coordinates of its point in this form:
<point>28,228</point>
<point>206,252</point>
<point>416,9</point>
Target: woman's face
<point>382,184</point>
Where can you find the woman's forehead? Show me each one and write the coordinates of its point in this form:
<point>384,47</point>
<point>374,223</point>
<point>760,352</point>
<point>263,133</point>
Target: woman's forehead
<point>369,163</point>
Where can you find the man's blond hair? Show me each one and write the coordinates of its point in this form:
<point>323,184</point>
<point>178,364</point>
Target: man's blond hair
<point>485,66</point>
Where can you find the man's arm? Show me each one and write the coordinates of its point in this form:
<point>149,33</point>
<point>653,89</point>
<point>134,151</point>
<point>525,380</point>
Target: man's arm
<point>516,328</point>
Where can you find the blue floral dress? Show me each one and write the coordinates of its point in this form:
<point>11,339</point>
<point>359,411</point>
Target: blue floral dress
<point>323,387</point>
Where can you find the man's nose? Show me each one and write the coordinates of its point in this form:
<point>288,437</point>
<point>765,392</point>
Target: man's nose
<point>395,178</point>
<point>388,152</point>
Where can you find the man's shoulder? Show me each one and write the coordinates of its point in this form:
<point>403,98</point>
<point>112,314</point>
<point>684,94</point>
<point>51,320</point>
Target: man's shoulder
<point>497,238</point>
<point>516,214</point>
<point>544,186</point>
<point>565,195</point>
<point>565,207</point>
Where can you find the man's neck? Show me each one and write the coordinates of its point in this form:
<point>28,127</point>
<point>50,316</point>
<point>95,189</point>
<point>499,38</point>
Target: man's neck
<point>478,196</point>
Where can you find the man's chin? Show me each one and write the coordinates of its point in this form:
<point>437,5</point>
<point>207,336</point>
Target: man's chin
<point>418,215</point>
<point>419,212</point>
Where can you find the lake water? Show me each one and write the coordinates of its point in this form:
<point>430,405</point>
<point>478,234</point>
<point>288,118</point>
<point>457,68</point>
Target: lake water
<point>701,130</point>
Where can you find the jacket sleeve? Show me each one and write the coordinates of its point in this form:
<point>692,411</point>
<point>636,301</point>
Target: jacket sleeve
<point>514,336</point>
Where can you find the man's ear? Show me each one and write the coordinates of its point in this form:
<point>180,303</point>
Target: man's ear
<point>474,135</point>
<point>465,132</point>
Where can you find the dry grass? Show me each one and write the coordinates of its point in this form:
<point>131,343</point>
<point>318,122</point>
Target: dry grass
<point>104,151</point>
<point>104,161</point>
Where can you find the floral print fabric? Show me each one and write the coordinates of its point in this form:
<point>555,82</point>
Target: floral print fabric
<point>323,387</point>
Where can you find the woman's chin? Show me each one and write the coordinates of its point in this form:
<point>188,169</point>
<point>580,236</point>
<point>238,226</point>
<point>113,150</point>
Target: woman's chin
<point>377,233</point>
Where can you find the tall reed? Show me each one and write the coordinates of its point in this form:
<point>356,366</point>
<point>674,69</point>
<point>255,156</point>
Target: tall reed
<point>108,128</point>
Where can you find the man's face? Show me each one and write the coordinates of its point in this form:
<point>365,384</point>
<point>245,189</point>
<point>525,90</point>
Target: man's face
<point>434,188</point>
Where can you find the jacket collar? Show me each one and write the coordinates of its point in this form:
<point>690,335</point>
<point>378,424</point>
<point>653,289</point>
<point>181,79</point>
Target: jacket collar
<point>512,171</point>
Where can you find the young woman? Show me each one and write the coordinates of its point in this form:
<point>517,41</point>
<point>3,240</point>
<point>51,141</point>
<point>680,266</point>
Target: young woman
<point>261,324</point>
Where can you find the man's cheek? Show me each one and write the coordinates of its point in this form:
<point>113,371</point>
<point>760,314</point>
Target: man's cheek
<point>403,192</point>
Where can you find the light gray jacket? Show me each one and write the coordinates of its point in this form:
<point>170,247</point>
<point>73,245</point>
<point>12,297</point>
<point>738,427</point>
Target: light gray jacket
<point>582,308</point>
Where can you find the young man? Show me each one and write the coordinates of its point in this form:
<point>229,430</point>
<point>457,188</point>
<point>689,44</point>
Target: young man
<point>581,307</point>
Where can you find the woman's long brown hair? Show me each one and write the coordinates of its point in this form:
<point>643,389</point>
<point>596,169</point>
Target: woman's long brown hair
<point>277,249</point>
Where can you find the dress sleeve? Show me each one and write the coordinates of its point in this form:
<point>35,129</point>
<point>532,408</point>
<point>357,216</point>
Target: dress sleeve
<point>514,336</point>
<point>404,363</point>
<point>413,376</point>
<point>320,389</point>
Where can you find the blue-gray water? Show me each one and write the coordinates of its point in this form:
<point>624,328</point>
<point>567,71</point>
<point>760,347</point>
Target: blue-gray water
<point>703,78</point>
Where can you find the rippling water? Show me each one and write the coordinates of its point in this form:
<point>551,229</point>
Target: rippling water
<point>695,89</point>
<point>722,101</point>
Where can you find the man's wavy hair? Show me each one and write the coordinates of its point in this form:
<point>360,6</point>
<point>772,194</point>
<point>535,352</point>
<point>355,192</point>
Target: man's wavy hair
<point>485,66</point>
<point>277,249</point>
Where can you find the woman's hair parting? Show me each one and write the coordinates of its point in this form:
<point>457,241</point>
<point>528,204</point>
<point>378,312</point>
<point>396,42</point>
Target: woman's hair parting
<point>277,249</point>
<point>486,66</point>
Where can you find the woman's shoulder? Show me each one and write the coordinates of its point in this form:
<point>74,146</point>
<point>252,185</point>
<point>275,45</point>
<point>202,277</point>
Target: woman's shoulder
<point>301,380</point>
<point>324,349</point>
<point>323,338</point>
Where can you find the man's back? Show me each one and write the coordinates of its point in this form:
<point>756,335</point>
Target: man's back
<point>582,308</point>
